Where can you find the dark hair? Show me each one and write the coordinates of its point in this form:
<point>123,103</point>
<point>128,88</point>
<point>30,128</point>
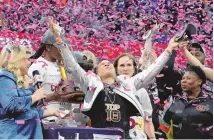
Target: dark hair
<point>40,51</point>
<point>131,57</point>
<point>95,70</point>
<point>197,46</point>
<point>198,71</point>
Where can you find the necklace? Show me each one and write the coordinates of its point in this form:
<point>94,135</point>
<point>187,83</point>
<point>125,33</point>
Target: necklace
<point>109,90</point>
<point>112,102</point>
<point>112,109</point>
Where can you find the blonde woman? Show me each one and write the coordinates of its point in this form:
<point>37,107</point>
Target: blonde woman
<point>19,118</point>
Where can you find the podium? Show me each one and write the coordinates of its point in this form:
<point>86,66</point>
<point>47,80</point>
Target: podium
<point>83,133</point>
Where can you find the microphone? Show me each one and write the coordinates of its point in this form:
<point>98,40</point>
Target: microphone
<point>37,79</point>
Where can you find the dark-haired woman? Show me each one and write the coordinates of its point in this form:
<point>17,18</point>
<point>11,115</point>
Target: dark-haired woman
<point>191,113</point>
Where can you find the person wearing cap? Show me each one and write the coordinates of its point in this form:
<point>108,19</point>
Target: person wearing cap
<point>91,58</point>
<point>109,99</point>
<point>197,51</point>
<point>84,60</point>
<point>196,57</point>
<point>192,112</point>
<point>57,95</point>
<point>19,117</point>
<point>169,89</point>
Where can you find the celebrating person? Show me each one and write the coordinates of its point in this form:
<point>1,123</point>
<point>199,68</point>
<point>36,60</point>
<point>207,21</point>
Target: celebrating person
<point>125,64</point>
<point>192,113</point>
<point>108,97</point>
<point>57,95</point>
<point>19,118</point>
<point>197,58</point>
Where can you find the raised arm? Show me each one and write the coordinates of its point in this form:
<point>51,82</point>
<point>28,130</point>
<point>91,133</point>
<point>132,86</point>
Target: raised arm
<point>194,61</point>
<point>144,78</point>
<point>146,61</point>
<point>72,67</point>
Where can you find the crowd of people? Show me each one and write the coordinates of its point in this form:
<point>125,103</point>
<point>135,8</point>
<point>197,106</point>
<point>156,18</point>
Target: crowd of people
<point>169,104</point>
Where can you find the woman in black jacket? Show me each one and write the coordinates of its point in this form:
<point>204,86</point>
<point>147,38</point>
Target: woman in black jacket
<point>191,113</point>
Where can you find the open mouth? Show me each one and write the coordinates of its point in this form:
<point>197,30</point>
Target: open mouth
<point>183,87</point>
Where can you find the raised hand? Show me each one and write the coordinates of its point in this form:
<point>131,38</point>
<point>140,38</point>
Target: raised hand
<point>173,44</point>
<point>51,26</point>
<point>152,56</point>
<point>55,29</point>
<point>157,27</point>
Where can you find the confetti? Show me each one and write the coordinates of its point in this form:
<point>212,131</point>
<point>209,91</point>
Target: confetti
<point>38,120</point>
<point>127,89</point>
<point>159,75</point>
<point>20,121</point>
<point>107,28</point>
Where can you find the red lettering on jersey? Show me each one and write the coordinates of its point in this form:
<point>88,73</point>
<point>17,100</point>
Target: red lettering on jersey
<point>54,88</point>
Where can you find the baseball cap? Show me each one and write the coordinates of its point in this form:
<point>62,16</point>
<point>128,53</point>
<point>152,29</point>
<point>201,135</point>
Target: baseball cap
<point>197,46</point>
<point>82,60</point>
<point>79,57</point>
<point>47,39</point>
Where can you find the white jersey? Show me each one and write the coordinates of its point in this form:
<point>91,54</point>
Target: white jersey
<point>137,122</point>
<point>51,75</point>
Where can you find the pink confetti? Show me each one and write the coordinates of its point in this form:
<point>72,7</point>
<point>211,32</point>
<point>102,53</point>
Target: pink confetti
<point>27,20</point>
<point>127,89</point>
<point>160,75</point>
<point>14,87</point>
<point>46,103</point>
<point>20,121</point>
<point>38,120</point>
<point>91,88</point>
<point>156,101</point>
<point>44,64</point>
<point>81,106</point>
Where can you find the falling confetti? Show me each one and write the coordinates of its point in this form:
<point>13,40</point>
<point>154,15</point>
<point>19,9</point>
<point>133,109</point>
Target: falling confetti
<point>106,27</point>
<point>20,121</point>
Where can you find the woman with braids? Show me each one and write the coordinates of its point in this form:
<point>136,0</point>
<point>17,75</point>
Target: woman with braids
<point>191,113</point>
